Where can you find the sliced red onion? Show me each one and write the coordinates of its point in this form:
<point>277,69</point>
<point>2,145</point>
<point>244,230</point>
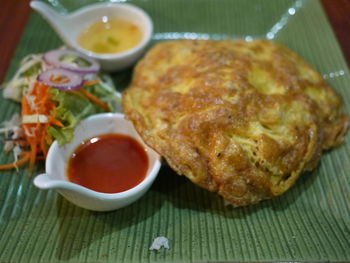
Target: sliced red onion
<point>54,57</point>
<point>61,79</point>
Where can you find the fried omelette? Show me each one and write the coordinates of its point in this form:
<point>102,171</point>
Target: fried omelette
<point>243,119</point>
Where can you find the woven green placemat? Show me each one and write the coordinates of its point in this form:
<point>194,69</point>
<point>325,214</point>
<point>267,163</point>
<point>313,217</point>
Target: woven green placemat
<point>308,223</point>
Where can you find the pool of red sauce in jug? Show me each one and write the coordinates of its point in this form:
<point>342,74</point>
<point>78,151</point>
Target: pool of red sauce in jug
<point>108,163</point>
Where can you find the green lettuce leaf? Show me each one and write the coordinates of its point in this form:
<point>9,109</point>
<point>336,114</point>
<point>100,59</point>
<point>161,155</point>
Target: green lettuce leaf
<point>72,108</point>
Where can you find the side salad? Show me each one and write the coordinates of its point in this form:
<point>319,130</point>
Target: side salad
<point>56,91</point>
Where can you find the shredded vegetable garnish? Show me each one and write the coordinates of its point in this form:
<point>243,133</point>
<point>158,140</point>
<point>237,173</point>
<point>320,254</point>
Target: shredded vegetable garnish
<point>72,61</point>
<point>61,79</point>
<point>50,108</point>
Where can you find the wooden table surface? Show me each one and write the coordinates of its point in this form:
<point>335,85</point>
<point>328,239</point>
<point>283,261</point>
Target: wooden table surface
<point>11,26</point>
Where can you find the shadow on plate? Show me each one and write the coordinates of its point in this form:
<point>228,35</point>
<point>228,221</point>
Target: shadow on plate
<point>185,195</point>
<point>79,228</point>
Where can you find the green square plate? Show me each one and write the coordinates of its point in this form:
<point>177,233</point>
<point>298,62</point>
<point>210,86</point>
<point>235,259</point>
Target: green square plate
<point>311,222</point>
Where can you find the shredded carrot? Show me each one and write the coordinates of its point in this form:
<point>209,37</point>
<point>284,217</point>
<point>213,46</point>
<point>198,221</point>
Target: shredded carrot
<point>95,100</point>
<point>35,135</point>
<point>53,119</point>
<point>59,79</point>
<point>91,82</point>
<point>56,122</point>
<point>49,139</point>
<point>32,155</point>
<point>21,161</point>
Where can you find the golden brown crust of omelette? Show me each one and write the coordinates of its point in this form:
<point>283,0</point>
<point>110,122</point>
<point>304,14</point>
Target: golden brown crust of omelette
<point>243,119</point>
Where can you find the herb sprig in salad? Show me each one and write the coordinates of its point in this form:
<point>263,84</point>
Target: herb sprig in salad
<point>56,91</point>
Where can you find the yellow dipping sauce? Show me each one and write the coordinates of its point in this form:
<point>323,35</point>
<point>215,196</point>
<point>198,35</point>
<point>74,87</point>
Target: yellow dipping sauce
<point>110,35</point>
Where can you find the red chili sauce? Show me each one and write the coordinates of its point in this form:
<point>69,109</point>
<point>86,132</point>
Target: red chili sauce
<point>108,163</point>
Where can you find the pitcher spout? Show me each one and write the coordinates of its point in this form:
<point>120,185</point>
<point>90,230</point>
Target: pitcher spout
<point>43,181</point>
<point>58,22</point>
